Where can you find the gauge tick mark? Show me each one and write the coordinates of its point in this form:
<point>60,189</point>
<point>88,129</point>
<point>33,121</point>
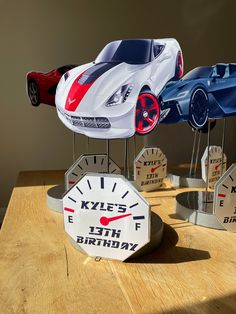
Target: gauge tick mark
<point>125,194</point>
<point>72,199</point>
<point>114,186</point>
<point>79,190</point>
<point>102,183</point>
<point>131,206</point>
<point>138,217</point>
<point>69,210</point>
<point>89,184</point>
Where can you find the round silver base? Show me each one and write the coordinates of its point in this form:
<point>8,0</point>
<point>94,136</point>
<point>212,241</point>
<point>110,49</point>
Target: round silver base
<point>54,198</point>
<point>195,208</point>
<point>157,227</point>
<point>180,181</point>
<point>179,177</point>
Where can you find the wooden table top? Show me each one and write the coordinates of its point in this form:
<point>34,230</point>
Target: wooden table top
<point>193,271</point>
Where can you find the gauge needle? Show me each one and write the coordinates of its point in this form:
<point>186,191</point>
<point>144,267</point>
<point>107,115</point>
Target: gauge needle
<point>217,166</point>
<point>105,220</point>
<point>155,168</point>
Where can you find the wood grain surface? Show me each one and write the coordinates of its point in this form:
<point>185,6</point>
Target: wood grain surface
<point>193,271</point>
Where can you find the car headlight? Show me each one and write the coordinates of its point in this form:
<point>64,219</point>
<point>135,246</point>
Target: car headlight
<point>120,95</point>
<point>66,75</point>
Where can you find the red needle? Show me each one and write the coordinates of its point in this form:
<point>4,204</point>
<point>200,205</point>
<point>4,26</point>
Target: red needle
<point>217,166</point>
<point>155,168</point>
<point>105,220</point>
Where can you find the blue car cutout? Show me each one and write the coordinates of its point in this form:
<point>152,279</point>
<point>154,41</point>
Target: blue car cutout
<point>204,92</point>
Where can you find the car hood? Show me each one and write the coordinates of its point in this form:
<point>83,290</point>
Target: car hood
<point>94,83</point>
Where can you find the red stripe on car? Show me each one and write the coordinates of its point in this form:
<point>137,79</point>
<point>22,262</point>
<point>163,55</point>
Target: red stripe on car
<point>76,94</point>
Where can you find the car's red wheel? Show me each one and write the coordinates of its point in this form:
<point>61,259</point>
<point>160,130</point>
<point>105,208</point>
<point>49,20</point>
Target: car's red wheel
<point>147,113</point>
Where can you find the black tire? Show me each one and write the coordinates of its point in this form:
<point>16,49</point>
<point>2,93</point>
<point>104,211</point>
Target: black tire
<point>198,108</point>
<point>33,93</point>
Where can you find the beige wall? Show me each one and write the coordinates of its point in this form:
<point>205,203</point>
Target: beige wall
<point>44,34</point>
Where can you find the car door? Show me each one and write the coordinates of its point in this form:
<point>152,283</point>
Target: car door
<point>159,70</point>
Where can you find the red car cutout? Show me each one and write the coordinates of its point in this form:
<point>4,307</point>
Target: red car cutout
<point>41,87</point>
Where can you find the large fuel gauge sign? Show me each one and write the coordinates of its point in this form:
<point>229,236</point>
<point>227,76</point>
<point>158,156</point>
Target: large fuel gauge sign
<point>150,167</point>
<point>225,199</point>
<point>106,216</point>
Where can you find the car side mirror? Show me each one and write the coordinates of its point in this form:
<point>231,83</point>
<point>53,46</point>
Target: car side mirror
<point>214,77</point>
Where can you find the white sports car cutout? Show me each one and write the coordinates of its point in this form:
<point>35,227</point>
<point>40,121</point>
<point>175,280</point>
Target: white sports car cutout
<point>116,95</point>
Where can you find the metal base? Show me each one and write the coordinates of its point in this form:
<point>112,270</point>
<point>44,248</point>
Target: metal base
<point>179,177</point>
<point>157,228</point>
<point>54,198</point>
<point>193,207</point>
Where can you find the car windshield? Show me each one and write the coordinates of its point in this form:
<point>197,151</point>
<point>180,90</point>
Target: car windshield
<point>197,73</point>
<point>129,51</point>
